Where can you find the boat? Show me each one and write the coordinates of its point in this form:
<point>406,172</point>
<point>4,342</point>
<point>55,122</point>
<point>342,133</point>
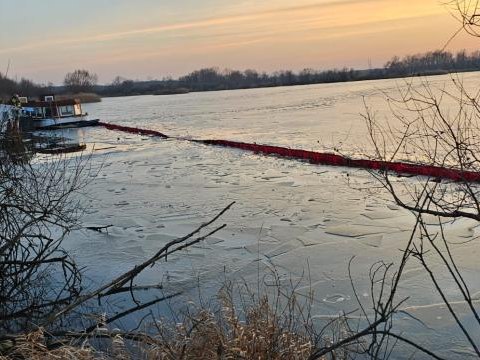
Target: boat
<point>50,113</point>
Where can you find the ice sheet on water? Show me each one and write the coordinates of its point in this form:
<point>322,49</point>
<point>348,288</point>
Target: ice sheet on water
<point>293,215</point>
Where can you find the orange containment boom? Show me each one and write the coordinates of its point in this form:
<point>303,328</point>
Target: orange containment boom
<point>338,160</point>
<point>324,158</point>
<point>133,130</point>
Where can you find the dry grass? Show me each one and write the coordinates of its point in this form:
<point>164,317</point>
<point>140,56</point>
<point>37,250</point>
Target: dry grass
<point>266,331</point>
<point>33,346</point>
<point>83,97</point>
<point>263,333</point>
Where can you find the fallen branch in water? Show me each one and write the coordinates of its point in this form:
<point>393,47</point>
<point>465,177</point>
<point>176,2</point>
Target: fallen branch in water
<point>128,277</point>
<point>133,310</point>
<point>98,228</point>
<point>134,288</point>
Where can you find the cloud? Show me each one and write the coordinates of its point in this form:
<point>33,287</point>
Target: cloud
<point>254,34</point>
<point>192,25</point>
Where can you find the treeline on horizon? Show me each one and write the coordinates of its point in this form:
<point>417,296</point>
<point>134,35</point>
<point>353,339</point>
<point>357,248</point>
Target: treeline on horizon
<point>213,79</point>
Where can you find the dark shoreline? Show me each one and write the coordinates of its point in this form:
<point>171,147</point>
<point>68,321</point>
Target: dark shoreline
<point>359,79</point>
<point>432,63</point>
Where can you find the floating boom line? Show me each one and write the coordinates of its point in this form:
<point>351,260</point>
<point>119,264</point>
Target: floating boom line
<point>133,130</point>
<point>322,158</point>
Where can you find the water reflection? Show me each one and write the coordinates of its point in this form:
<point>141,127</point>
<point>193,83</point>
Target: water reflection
<point>59,141</point>
<point>19,143</point>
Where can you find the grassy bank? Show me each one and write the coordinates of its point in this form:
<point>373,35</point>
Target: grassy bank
<point>83,97</point>
<point>261,330</point>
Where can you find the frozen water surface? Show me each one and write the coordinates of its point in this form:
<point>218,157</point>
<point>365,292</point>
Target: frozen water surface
<point>298,217</point>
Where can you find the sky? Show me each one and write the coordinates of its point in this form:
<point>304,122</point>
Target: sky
<point>150,39</point>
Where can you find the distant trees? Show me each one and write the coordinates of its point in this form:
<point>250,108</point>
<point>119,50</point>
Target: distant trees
<point>433,61</point>
<point>215,79</point>
<point>7,86</point>
<point>120,86</point>
<point>24,87</point>
<point>212,79</point>
<point>80,81</point>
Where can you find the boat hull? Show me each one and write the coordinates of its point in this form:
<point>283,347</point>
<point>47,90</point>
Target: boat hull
<point>59,123</point>
<point>71,124</point>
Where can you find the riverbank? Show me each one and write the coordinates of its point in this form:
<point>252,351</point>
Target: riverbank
<point>85,98</point>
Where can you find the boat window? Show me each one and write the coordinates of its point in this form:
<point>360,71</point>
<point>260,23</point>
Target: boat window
<point>35,112</point>
<point>38,112</point>
<point>67,110</point>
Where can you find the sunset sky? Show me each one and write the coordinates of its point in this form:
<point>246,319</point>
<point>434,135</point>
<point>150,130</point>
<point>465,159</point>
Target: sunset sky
<point>144,39</point>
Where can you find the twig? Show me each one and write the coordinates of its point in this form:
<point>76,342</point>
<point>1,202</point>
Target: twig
<point>132,310</point>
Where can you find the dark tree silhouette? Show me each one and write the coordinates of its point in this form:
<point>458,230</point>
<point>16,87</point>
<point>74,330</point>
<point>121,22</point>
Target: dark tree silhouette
<point>80,81</point>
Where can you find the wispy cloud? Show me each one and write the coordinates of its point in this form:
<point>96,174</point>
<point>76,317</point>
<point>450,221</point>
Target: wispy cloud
<point>231,19</point>
<point>267,35</point>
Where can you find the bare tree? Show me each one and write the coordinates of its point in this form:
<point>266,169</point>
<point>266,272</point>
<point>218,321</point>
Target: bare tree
<point>38,207</point>
<point>468,15</point>
<point>40,284</point>
<point>80,81</point>
<point>433,126</point>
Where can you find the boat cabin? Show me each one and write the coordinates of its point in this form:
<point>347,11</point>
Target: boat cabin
<point>49,107</point>
<point>49,113</point>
